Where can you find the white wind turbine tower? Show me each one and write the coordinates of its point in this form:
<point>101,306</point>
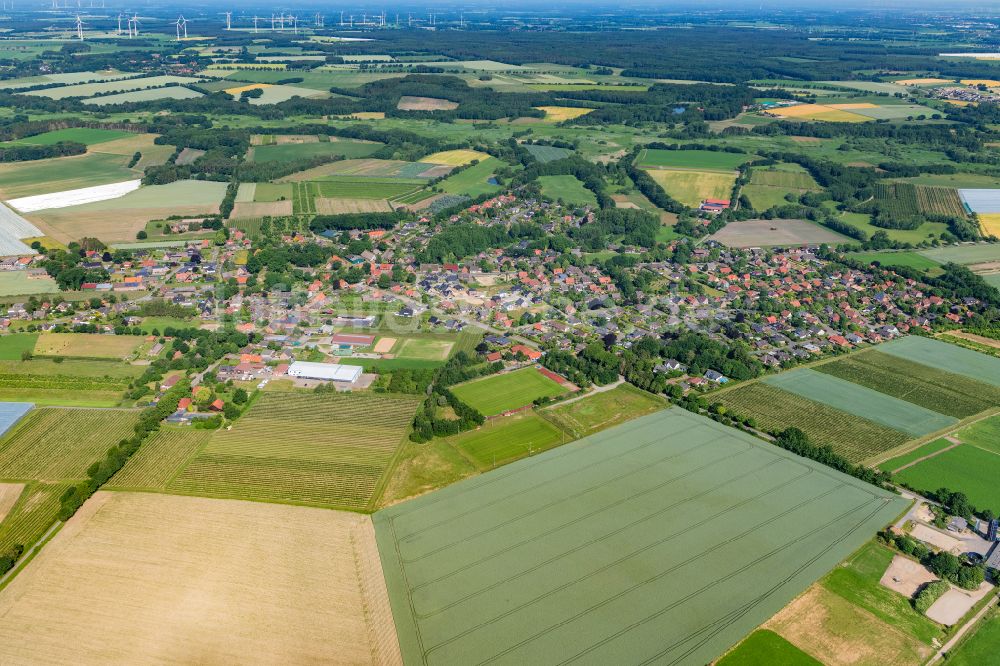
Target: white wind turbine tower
<point>133,26</point>
<point>229,20</point>
<point>255,19</point>
<point>341,18</point>
<point>295,23</point>
<point>318,22</point>
<point>119,24</point>
<point>79,28</point>
<point>181,24</point>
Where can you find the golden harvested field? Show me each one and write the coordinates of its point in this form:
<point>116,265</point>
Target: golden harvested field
<point>87,345</point>
<point>455,157</point>
<point>557,114</point>
<point>693,187</point>
<point>338,206</point>
<point>921,82</point>
<point>207,581</point>
<point>262,208</point>
<point>990,222</point>
<point>408,103</point>
<point>989,83</point>
<point>853,105</point>
<point>9,492</point>
<point>819,112</point>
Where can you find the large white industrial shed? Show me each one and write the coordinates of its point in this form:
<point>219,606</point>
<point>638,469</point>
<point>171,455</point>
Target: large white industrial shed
<point>333,372</point>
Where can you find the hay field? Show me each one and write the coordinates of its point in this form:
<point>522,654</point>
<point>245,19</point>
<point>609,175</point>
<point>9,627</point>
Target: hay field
<point>927,81</point>
<point>455,157</point>
<point>557,114</point>
<point>664,540</point>
<point>408,103</point>
<point>693,187</point>
<point>87,345</point>
<point>990,224</point>
<point>251,209</point>
<point>9,492</point>
<point>337,206</point>
<point>207,581</point>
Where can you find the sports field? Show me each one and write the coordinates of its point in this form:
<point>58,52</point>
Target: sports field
<point>666,539</point>
<point>693,187</point>
<point>53,443</point>
<point>701,160</point>
<point>511,390</point>
<point>774,233</point>
<point>301,448</point>
<point>87,345</point>
<point>947,357</point>
<point>309,577</point>
<point>861,401</point>
<point>499,441</point>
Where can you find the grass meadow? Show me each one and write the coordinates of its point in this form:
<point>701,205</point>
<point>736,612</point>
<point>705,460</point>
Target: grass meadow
<point>511,390</point>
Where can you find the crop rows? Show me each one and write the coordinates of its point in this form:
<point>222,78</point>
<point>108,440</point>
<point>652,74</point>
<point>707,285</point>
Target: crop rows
<point>302,198</point>
<point>943,392</point>
<point>159,459</point>
<point>940,201</point>
<point>52,443</point>
<point>851,436</point>
<point>367,188</point>
<point>330,450</point>
<point>63,382</point>
<point>415,197</point>
<point>33,513</point>
<point>795,180</point>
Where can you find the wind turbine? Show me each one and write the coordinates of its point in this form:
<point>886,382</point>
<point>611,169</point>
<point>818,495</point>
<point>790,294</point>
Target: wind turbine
<point>119,24</point>
<point>295,23</point>
<point>255,24</point>
<point>133,26</point>
<point>229,20</point>
<point>181,24</point>
<point>79,28</point>
<point>318,22</point>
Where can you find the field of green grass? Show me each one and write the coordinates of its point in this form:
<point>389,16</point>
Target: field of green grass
<point>360,187</point>
<point>568,189</point>
<point>907,259</point>
<point>968,253</point>
<point>700,160</point>
<point>290,152</point>
<point>85,135</point>
<point>623,547</point>
<point>766,648</point>
<point>511,390</point>
<point>12,346</point>
<point>921,451</point>
<point>603,410</point>
<point>21,179</point>
<point>505,439</point>
<point>546,153</point>
<point>965,468</point>
<point>473,181</point>
<point>303,448</point>
<point>982,646</point>
<point>926,231</point>
<point>17,283</point>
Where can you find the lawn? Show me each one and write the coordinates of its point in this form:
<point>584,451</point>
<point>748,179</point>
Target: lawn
<point>14,345</point>
<point>291,152</point>
<point>766,648</point>
<point>965,468</point>
<point>502,440</point>
<point>474,180</point>
<point>700,160</point>
<point>693,187</point>
<point>427,349</point>
<point>567,189</point>
<point>666,539</point>
<point>303,448</point>
<point>511,390</point>
<point>603,410</point>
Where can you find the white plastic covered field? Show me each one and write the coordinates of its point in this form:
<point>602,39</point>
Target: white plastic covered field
<point>69,198</point>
